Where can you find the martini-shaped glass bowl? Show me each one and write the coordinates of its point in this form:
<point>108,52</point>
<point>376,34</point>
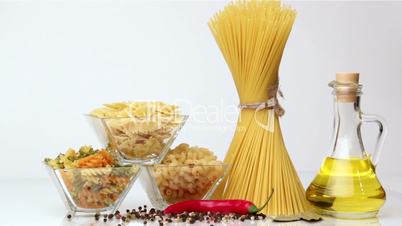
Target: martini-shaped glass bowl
<point>138,140</point>
<point>94,190</point>
<point>169,184</point>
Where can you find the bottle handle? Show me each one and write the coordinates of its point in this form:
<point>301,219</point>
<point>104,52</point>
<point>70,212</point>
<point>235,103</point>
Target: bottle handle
<point>383,130</point>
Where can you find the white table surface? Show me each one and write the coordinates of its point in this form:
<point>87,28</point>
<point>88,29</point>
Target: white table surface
<point>37,203</point>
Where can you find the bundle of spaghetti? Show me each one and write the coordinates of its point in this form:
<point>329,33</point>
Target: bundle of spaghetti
<point>252,36</point>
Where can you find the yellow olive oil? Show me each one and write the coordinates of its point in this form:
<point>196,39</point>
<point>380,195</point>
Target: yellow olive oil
<point>346,188</point>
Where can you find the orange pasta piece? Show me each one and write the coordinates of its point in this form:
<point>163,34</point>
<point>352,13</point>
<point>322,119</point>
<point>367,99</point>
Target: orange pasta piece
<point>100,159</point>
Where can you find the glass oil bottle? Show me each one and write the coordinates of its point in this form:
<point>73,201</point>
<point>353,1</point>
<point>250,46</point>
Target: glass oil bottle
<point>346,185</point>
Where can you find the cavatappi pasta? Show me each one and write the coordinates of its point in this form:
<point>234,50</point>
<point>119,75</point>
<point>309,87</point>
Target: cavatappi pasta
<point>252,36</point>
<point>138,130</point>
<point>187,173</point>
<point>92,178</point>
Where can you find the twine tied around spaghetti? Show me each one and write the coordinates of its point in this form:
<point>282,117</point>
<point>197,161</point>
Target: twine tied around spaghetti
<point>273,106</point>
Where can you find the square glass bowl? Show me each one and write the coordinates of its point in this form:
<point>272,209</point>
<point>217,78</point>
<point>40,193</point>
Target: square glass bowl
<point>166,184</point>
<point>138,140</point>
<point>94,190</point>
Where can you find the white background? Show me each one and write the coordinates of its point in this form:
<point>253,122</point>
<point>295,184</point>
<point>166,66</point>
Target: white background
<point>60,59</point>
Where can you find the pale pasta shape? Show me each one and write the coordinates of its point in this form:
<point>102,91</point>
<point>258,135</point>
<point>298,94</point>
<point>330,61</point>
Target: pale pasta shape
<point>187,173</point>
<point>139,130</point>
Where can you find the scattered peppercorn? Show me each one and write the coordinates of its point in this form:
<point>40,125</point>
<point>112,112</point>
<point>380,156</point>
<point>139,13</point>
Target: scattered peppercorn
<point>152,215</point>
<point>69,216</point>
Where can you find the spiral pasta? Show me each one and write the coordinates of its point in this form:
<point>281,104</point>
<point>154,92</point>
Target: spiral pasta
<point>92,177</point>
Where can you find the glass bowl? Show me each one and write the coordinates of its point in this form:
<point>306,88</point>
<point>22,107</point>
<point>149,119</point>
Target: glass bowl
<point>167,184</point>
<point>138,140</point>
<point>94,190</point>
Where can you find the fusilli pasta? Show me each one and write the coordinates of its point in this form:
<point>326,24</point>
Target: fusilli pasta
<point>92,177</point>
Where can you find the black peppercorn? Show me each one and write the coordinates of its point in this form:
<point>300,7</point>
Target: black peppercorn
<point>154,215</point>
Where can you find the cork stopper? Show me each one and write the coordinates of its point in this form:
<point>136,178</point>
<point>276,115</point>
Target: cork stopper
<point>347,92</point>
<point>347,77</point>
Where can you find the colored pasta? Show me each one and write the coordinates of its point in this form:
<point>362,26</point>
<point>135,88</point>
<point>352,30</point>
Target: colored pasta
<point>252,36</point>
<point>93,179</point>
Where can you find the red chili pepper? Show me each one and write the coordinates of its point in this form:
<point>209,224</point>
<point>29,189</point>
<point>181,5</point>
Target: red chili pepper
<point>216,206</point>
